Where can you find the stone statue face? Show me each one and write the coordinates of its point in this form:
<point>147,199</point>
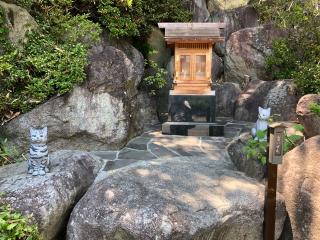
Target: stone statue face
<point>39,135</point>
<point>264,113</point>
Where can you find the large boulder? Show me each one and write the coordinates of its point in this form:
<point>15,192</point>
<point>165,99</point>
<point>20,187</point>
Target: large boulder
<point>246,52</point>
<point>299,183</point>
<point>226,97</point>
<point>279,95</point>
<point>216,67</point>
<point>157,200</point>
<point>18,21</point>
<point>250,166</point>
<point>310,121</point>
<point>236,19</point>
<point>214,5</point>
<point>49,198</point>
<point>100,114</point>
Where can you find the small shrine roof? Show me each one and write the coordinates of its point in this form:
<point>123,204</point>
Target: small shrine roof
<point>179,32</point>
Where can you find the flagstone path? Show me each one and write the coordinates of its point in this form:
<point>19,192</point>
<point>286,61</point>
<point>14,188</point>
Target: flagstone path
<point>154,145</point>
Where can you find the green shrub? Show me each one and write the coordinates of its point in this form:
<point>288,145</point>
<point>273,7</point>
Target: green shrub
<point>298,55</point>
<point>135,18</point>
<point>257,148</point>
<point>155,80</point>
<point>293,140</point>
<point>14,226</point>
<point>52,61</point>
<point>315,108</point>
<point>8,155</point>
<point>54,58</point>
<point>42,69</point>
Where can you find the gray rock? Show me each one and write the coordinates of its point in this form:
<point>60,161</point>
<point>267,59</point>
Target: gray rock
<point>280,95</point>
<point>217,67</point>
<point>236,19</point>
<point>250,166</point>
<point>128,153</point>
<point>18,21</point>
<point>200,11</point>
<point>49,198</point>
<point>156,41</point>
<point>115,66</point>
<point>214,5</point>
<point>310,121</point>
<point>226,97</point>
<point>298,181</point>
<point>246,52</point>
<point>146,110</point>
<point>178,198</point>
<point>101,114</point>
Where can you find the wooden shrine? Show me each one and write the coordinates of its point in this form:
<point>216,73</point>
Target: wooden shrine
<point>192,44</point>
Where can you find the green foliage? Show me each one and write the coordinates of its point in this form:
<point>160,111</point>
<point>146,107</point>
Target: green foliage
<point>257,148</point>
<point>8,155</point>
<point>293,140</point>
<point>156,80</point>
<point>4,45</point>
<point>298,55</point>
<point>14,226</point>
<point>135,18</point>
<point>51,62</point>
<point>54,58</point>
<point>315,108</point>
<point>40,70</point>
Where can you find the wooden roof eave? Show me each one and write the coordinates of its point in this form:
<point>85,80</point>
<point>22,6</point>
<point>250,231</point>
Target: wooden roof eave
<point>171,40</point>
<point>220,25</point>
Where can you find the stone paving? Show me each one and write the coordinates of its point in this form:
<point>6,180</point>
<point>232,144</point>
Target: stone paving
<point>154,145</point>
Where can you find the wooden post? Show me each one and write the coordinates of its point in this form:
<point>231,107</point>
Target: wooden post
<point>270,202</point>
<point>274,157</point>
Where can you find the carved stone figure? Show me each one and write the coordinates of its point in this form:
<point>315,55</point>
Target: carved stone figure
<point>38,163</point>
<point>262,122</point>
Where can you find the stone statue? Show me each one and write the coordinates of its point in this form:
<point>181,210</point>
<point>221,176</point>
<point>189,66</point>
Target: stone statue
<point>38,163</point>
<point>262,122</point>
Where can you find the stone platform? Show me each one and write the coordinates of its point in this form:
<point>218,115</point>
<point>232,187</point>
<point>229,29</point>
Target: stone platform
<point>173,187</point>
<point>155,145</point>
<point>222,127</point>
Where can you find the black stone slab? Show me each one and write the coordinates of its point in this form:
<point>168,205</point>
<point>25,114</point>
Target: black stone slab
<point>193,129</point>
<point>202,107</point>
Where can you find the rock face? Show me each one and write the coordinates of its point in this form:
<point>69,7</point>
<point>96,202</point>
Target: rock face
<point>298,181</point>
<point>246,52</point>
<point>157,42</point>
<point>101,114</point>
<point>236,19</point>
<point>217,67</point>
<point>157,200</point>
<point>226,97</point>
<point>18,21</point>
<point>49,198</point>
<point>200,11</point>
<point>310,121</point>
<point>225,4</point>
<point>251,167</point>
<point>279,95</point>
